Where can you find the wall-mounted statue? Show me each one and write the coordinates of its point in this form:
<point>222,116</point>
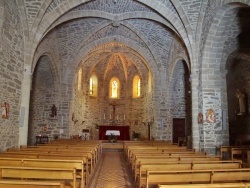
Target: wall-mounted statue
<point>242,102</point>
<point>53,111</point>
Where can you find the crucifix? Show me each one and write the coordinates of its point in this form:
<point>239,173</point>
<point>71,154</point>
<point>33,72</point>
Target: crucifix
<point>113,104</point>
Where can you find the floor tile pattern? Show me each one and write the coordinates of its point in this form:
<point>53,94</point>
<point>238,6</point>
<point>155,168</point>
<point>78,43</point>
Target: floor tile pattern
<point>112,172</point>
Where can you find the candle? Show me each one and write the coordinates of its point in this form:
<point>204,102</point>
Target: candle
<point>104,116</point>
<point>117,117</point>
<point>110,116</point>
<point>124,116</point>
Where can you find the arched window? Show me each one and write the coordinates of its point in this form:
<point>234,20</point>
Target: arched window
<point>114,88</point>
<point>136,87</point>
<point>93,85</point>
<point>149,82</point>
<point>79,79</point>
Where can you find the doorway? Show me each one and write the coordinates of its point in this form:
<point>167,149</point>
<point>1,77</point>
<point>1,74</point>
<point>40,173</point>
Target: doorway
<point>178,129</point>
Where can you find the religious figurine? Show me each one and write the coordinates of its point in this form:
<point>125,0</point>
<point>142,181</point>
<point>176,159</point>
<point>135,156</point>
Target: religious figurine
<point>5,110</point>
<point>242,102</point>
<point>53,111</point>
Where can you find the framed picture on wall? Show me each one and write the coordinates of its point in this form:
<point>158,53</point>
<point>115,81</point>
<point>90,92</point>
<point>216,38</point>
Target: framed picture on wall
<point>210,115</point>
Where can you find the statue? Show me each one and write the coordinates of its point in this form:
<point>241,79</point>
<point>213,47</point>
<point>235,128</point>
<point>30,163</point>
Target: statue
<point>242,102</point>
<point>53,111</point>
<point>5,110</point>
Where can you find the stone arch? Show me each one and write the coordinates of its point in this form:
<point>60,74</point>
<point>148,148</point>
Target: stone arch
<point>47,22</point>
<point>179,94</point>
<point>141,52</point>
<point>218,25</point>
<point>183,17</point>
<point>44,94</point>
<point>40,15</point>
<point>48,19</point>
<point>109,17</point>
<point>139,34</point>
<point>167,13</point>
<point>54,70</point>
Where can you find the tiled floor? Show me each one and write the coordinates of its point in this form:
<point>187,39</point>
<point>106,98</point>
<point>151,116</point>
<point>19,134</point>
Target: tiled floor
<point>112,172</point>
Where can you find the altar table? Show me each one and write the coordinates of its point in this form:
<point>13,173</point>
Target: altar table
<point>124,132</point>
<point>112,132</point>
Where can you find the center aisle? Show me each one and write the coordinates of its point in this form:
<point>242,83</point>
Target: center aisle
<point>112,172</point>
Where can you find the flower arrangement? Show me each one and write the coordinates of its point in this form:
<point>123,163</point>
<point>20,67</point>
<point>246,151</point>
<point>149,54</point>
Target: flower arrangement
<point>136,135</point>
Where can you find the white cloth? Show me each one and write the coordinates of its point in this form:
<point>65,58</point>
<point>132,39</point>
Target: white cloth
<point>112,132</point>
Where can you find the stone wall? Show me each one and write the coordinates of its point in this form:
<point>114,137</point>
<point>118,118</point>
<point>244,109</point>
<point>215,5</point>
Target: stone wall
<point>11,58</point>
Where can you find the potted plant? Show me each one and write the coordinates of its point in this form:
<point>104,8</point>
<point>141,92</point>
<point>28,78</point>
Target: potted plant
<point>136,135</point>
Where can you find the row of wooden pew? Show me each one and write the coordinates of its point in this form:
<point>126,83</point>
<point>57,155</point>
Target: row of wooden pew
<point>234,152</point>
<point>61,163</point>
<point>165,165</point>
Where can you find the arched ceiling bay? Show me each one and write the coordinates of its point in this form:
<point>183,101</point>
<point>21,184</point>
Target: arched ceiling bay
<point>116,57</point>
<point>147,36</point>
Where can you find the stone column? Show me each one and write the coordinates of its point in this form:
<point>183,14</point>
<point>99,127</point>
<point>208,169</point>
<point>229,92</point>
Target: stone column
<point>25,101</point>
<point>195,111</point>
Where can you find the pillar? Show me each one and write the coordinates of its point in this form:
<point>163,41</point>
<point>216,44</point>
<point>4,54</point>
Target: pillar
<point>25,100</point>
<point>195,111</point>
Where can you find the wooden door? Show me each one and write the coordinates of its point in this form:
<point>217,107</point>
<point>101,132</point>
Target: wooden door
<point>178,128</point>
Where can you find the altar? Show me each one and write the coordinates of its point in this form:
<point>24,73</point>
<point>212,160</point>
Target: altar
<point>124,132</point>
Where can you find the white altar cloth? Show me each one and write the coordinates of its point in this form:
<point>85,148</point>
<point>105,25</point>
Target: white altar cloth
<point>112,132</point>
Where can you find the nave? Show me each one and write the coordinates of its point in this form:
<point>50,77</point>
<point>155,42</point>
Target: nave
<point>112,172</point>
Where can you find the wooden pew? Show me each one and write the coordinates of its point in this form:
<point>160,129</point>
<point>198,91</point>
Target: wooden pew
<point>52,155</point>
<point>239,151</point>
<point>197,176</point>
<point>214,185</point>
<point>29,173</point>
<point>141,177</point>
<point>133,155</point>
<point>166,149</point>
<point>79,165</point>
<point>30,184</point>
<point>88,151</point>
<point>228,150</point>
<point>160,159</point>
<point>166,155</point>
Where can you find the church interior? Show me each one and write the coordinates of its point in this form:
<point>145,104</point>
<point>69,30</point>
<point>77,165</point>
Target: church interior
<point>138,73</point>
